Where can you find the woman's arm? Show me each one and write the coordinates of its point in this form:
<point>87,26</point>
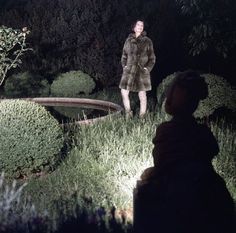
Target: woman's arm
<point>151,57</point>
<point>124,55</point>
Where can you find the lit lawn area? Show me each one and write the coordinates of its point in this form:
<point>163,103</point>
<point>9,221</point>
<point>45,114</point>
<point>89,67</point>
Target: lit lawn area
<point>106,159</point>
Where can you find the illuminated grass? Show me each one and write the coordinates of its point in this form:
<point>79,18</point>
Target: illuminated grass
<point>107,158</point>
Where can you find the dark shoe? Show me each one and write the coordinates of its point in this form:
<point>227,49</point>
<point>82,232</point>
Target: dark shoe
<point>128,114</point>
<point>142,115</point>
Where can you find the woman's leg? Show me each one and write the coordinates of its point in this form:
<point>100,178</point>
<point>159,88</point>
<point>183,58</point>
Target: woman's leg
<point>126,101</point>
<point>143,103</point>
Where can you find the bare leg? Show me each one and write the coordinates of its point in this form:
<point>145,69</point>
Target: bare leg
<point>126,101</point>
<point>143,103</point>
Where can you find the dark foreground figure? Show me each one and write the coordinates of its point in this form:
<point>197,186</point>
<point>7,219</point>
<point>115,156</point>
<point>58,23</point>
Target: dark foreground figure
<point>182,193</point>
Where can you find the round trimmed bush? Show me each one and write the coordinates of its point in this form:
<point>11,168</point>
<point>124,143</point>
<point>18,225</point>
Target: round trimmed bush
<point>26,84</point>
<point>221,95</point>
<point>30,138</point>
<point>110,94</point>
<point>72,84</point>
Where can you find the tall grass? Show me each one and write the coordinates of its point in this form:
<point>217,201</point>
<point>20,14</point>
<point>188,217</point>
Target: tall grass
<point>105,161</point>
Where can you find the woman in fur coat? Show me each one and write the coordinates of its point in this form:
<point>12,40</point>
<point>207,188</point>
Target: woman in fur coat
<point>137,60</point>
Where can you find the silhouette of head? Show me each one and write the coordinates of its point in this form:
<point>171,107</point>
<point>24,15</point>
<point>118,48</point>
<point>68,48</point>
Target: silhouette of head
<point>185,92</point>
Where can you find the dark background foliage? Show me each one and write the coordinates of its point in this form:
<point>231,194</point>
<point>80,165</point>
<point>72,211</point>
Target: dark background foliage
<point>88,35</point>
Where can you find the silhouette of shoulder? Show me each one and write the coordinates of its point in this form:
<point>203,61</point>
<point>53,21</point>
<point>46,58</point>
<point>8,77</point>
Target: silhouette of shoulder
<point>183,140</point>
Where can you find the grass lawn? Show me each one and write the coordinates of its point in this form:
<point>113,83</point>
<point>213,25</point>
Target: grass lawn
<point>104,162</point>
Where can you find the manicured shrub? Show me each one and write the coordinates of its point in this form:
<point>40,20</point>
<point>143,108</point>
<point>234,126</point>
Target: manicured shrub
<point>30,138</point>
<point>109,94</point>
<point>72,84</point>
<point>26,85</point>
<point>162,88</point>
<point>225,161</point>
<point>221,95</point>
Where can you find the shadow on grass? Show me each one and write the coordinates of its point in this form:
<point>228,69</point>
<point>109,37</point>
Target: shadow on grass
<point>85,219</point>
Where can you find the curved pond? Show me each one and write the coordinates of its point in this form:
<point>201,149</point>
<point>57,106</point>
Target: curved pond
<point>79,110</point>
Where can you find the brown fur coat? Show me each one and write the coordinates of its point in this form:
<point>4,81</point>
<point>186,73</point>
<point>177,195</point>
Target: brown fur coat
<point>138,54</point>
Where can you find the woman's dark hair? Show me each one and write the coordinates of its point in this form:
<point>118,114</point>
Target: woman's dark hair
<point>193,83</point>
<point>190,85</point>
<point>135,22</point>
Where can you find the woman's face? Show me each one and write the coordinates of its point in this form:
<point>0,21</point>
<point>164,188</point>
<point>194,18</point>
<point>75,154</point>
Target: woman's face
<point>139,26</point>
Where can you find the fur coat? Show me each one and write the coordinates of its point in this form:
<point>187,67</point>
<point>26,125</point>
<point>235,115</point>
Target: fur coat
<point>137,60</point>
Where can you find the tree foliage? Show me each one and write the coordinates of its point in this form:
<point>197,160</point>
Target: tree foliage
<point>83,35</point>
<point>89,35</point>
<point>26,84</point>
<point>213,25</point>
<point>12,48</point>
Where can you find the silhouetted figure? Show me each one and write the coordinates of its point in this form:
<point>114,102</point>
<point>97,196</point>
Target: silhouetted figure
<point>182,193</point>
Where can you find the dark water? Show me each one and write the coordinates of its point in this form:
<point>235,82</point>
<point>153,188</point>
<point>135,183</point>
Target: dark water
<point>69,114</point>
